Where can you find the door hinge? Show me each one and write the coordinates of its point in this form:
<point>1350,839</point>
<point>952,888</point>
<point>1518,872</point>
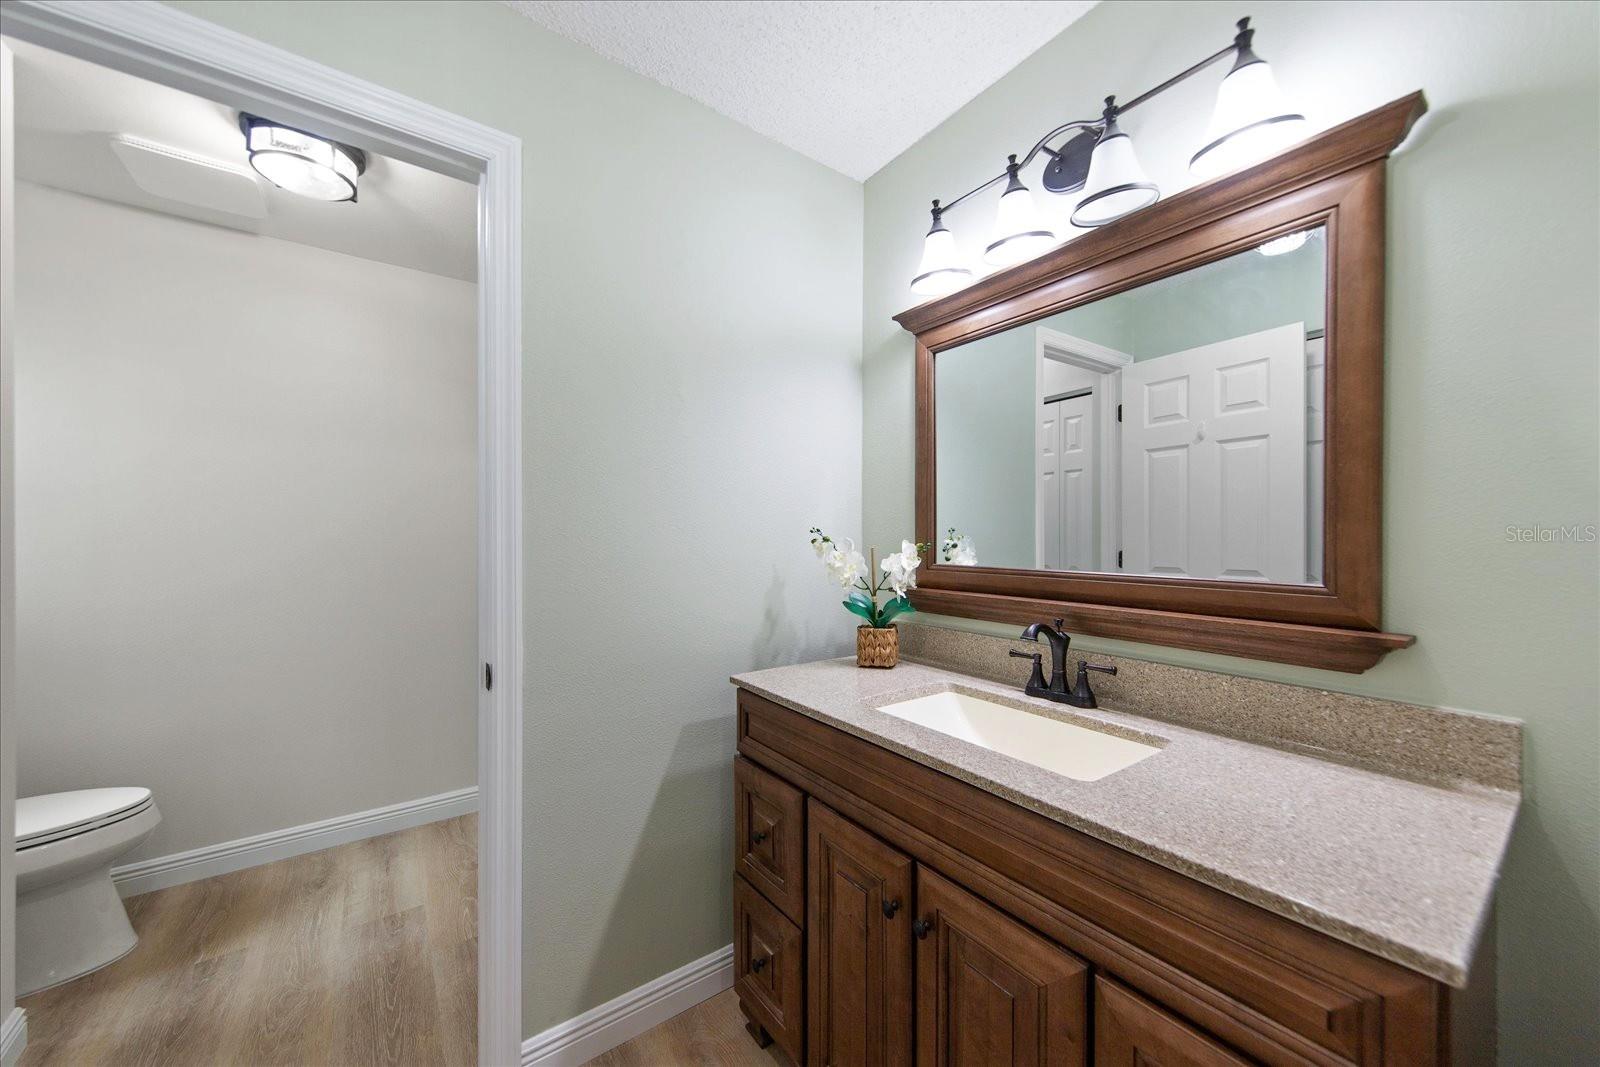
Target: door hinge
<point>1119,559</point>
<point>488,676</point>
<point>1119,412</point>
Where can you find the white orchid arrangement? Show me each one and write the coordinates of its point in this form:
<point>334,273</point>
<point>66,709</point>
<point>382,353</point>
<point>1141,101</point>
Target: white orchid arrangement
<point>957,549</point>
<point>867,581</point>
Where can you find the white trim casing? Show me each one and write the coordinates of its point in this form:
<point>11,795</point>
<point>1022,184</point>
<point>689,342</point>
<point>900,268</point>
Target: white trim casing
<point>601,1029</point>
<point>165,45</point>
<point>13,1037</point>
<point>162,872</point>
<point>1080,352</point>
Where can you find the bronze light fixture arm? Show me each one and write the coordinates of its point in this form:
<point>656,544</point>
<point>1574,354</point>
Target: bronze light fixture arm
<point>1239,47</point>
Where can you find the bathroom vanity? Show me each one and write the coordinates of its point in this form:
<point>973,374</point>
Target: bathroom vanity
<point>901,894</point>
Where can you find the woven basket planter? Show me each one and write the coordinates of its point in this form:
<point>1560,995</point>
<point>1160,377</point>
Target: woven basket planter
<point>877,646</point>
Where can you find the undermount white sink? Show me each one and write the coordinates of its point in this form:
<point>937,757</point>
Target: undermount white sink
<point>1073,751</point>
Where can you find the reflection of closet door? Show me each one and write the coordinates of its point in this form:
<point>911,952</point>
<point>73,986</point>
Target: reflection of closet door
<point>1066,510</point>
<point>1214,460</point>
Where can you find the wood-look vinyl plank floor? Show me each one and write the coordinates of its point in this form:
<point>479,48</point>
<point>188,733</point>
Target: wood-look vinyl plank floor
<point>364,954</point>
<point>710,1034</point>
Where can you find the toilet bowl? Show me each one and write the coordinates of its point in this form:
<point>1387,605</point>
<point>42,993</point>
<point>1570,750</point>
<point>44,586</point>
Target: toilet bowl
<point>70,920</point>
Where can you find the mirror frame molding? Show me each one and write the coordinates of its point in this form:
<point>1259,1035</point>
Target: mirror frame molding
<point>1336,179</point>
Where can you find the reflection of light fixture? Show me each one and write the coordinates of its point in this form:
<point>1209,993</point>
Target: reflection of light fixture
<point>1250,123</point>
<point>1116,184</point>
<point>1287,243</point>
<point>940,271</point>
<point>1019,232</point>
<point>1252,120</point>
<point>302,162</point>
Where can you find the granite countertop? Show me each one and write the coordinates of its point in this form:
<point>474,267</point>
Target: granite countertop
<point>1400,868</point>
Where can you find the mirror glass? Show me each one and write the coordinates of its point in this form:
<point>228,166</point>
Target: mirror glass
<point>1173,429</point>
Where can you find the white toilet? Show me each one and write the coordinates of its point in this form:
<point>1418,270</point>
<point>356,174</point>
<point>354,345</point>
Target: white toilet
<point>70,920</point>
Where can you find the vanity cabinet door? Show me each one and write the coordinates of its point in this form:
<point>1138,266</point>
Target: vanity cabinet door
<point>990,991</point>
<point>768,971</point>
<point>1129,1031</point>
<point>769,836</point>
<point>858,949</point>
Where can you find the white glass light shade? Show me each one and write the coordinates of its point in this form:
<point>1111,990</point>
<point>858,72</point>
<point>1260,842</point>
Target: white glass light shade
<point>1252,122</point>
<point>940,271</point>
<point>301,163</point>
<point>1116,185</point>
<point>1282,245</point>
<point>1019,231</point>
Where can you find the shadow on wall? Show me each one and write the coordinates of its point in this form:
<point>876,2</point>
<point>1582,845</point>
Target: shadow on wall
<point>778,642</point>
<point>1569,970</point>
<point>684,854</point>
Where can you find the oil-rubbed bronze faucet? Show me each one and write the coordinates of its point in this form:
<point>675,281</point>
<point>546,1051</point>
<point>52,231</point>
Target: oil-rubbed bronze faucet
<point>1080,695</point>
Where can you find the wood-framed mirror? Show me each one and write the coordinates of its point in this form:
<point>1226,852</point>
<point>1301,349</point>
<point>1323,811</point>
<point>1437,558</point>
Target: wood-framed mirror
<point>1169,429</point>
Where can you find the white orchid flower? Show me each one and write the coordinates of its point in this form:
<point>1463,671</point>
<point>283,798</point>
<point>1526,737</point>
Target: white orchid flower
<point>845,565</point>
<point>959,551</point>
<point>902,568</point>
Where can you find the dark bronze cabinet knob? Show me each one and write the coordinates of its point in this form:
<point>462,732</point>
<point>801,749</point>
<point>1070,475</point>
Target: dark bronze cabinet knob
<point>890,907</point>
<point>758,837</point>
<point>921,928</point>
<point>757,964</point>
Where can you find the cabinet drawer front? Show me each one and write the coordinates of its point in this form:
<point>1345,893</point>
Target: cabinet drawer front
<point>1129,1031</point>
<point>858,932</point>
<point>769,836</point>
<point>769,967</point>
<point>991,991</point>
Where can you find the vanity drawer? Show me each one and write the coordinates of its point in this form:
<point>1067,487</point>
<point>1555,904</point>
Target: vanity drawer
<point>769,836</point>
<point>1129,1030</point>
<point>769,968</point>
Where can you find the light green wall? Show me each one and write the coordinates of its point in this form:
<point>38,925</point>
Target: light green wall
<point>985,388</point>
<point>1491,383</point>
<point>985,458</point>
<point>692,405</point>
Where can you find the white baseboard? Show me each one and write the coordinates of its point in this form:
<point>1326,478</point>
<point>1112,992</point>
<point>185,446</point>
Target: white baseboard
<point>145,875</point>
<point>13,1037</point>
<point>598,1030</point>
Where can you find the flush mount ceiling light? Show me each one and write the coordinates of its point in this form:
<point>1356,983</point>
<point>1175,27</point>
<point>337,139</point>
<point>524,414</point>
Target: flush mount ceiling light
<point>1281,245</point>
<point>302,162</point>
<point>1097,165</point>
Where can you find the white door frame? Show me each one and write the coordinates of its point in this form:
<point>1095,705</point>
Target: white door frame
<point>1108,362</point>
<point>164,45</point>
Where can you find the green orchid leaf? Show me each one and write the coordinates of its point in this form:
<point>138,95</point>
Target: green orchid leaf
<point>860,609</point>
<point>863,599</point>
<point>898,606</point>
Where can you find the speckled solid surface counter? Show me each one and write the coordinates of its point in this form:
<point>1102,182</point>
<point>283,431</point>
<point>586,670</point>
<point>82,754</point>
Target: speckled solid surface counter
<point>1402,869</point>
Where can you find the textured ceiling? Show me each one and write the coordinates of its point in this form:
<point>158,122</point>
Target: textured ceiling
<point>69,113</point>
<point>849,83</point>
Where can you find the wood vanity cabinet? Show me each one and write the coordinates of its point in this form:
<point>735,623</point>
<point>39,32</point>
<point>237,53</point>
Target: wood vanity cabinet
<point>943,926</point>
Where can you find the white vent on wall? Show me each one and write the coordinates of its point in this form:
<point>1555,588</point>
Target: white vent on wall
<point>189,179</point>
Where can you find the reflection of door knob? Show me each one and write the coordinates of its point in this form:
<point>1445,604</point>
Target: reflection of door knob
<point>1200,432</point>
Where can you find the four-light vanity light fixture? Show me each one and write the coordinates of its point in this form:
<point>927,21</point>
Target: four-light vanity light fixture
<point>1251,122</point>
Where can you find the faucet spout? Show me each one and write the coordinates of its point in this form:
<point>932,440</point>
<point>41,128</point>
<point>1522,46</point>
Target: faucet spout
<point>1059,642</point>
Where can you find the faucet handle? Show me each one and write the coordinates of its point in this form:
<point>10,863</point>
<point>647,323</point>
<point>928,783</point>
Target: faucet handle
<point>1036,679</point>
<point>1082,695</point>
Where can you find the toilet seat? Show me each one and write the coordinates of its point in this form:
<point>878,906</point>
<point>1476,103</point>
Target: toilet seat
<point>56,816</point>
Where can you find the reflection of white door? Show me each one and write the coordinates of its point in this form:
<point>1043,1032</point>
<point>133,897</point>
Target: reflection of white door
<point>1067,513</point>
<point>1214,460</point>
<point>1086,377</point>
